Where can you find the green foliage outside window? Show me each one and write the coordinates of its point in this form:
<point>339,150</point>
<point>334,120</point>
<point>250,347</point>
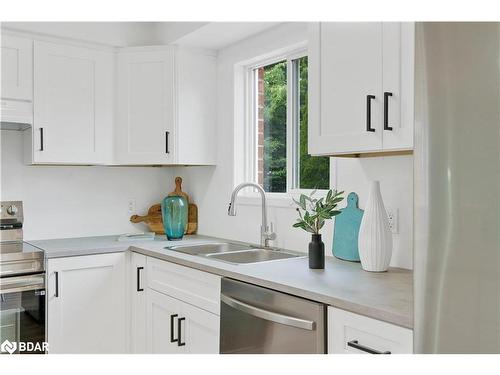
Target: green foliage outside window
<point>314,172</point>
<point>275,127</point>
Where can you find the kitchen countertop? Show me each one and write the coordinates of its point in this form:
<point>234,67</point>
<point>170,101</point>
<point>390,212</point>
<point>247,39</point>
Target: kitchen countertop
<point>386,296</point>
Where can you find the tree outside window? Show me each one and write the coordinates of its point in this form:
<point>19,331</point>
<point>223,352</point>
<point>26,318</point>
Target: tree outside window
<point>272,91</point>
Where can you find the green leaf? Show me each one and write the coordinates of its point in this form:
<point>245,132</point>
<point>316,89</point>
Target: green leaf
<point>329,195</point>
<point>302,201</point>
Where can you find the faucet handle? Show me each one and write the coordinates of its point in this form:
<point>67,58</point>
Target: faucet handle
<point>270,232</point>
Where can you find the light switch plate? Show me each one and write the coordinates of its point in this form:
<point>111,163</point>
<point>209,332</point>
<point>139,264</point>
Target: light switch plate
<point>131,206</point>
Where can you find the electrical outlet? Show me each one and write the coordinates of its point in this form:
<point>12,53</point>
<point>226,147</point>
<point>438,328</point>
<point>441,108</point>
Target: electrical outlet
<point>131,206</point>
<point>393,216</point>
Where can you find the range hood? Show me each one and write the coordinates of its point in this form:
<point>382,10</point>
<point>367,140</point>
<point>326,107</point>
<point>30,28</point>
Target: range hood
<point>16,115</point>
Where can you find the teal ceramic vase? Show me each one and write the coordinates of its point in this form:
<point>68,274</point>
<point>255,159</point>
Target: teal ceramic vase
<point>174,212</point>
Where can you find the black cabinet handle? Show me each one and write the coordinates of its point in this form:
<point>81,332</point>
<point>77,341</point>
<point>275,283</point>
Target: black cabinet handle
<point>172,339</point>
<point>56,294</point>
<point>386,110</point>
<point>139,289</point>
<point>166,142</point>
<point>369,113</point>
<point>41,139</point>
<point>366,349</point>
<point>179,332</point>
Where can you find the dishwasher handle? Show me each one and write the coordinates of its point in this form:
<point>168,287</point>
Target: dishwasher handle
<point>268,315</point>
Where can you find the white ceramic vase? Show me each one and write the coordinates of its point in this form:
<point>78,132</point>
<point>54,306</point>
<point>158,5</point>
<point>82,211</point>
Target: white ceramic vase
<point>375,237</point>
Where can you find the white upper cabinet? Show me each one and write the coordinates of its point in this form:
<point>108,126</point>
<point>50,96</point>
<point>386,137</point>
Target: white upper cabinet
<point>17,68</point>
<point>73,105</point>
<point>145,114</point>
<point>360,87</point>
<point>196,107</point>
<point>165,110</point>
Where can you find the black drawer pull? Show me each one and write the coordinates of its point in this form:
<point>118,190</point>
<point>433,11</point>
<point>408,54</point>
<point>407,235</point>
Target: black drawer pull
<point>172,339</point>
<point>56,294</point>
<point>41,139</point>
<point>386,110</point>
<point>354,344</point>
<point>139,289</point>
<point>369,113</point>
<point>179,332</point>
<point>167,151</point>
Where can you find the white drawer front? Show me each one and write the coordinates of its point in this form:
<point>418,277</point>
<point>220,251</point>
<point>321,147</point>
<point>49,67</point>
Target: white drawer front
<point>345,327</point>
<point>198,288</point>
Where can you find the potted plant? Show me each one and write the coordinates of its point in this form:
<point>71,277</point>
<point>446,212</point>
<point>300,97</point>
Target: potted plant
<point>312,216</point>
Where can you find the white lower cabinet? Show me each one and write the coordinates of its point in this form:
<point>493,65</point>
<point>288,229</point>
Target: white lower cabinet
<point>357,334</point>
<point>174,309</point>
<point>174,326</point>
<point>86,304</point>
<point>137,293</point>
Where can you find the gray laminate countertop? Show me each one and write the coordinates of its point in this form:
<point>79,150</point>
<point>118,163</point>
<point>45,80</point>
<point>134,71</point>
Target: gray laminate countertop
<point>386,296</point>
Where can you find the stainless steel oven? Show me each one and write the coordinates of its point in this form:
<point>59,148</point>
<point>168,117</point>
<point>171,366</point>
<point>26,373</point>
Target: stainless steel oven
<point>260,320</point>
<point>22,286</point>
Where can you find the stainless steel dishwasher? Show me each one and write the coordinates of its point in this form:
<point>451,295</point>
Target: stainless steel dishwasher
<point>260,320</point>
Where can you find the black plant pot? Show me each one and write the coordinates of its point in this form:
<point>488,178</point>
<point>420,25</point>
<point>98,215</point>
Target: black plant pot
<point>316,253</point>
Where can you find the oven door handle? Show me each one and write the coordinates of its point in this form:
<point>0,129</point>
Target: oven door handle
<point>21,283</point>
<point>268,315</point>
<point>31,265</point>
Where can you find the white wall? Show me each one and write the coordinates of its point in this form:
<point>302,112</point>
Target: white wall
<point>211,187</point>
<point>66,201</point>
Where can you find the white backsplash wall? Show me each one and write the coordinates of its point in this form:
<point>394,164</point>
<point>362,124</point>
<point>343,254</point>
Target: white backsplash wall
<point>73,201</point>
<point>211,187</point>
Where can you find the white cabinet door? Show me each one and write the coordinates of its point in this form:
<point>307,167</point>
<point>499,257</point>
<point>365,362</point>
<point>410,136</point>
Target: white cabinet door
<point>174,326</point>
<point>350,333</point>
<point>145,118</point>
<point>86,298</point>
<point>17,68</point>
<point>137,293</point>
<point>162,315</point>
<point>360,87</point>
<point>196,107</point>
<point>73,104</point>
<point>199,330</point>
<point>345,86</point>
<point>398,85</point>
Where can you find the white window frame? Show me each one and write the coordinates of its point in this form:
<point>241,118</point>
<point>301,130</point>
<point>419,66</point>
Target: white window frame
<point>250,134</point>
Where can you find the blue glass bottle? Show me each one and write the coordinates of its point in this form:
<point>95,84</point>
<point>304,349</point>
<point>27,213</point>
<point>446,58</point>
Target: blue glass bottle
<point>174,211</point>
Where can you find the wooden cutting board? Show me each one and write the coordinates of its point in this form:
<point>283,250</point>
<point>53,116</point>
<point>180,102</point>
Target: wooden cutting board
<point>153,219</point>
<point>178,190</point>
<point>192,225</point>
<point>346,231</point>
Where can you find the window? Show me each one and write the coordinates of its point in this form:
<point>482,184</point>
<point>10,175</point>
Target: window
<point>278,128</point>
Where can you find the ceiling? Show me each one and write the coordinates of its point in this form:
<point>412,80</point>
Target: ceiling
<point>218,35</point>
<point>209,35</point>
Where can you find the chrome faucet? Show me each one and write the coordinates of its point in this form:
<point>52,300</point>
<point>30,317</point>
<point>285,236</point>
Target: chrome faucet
<point>266,232</point>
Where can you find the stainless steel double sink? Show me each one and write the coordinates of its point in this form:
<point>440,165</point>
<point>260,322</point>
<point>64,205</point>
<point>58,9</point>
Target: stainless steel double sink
<point>235,253</point>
